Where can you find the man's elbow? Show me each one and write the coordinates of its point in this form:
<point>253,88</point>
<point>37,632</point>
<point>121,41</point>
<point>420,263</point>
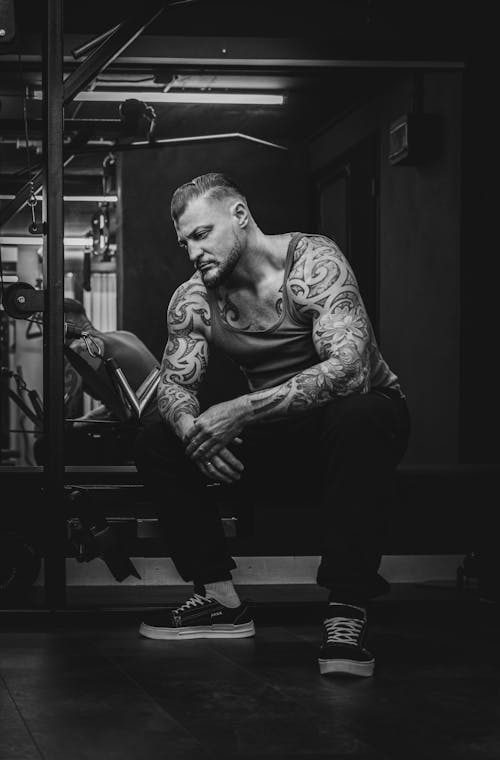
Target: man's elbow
<point>352,383</point>
<point>349,377</point>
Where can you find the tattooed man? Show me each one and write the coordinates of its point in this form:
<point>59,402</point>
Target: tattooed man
<point>324,413</point>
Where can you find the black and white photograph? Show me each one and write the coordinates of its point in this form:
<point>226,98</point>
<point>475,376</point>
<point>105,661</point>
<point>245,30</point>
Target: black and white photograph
<point>249,422</point>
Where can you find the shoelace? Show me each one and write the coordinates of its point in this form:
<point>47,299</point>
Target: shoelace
<point>194,601</point>
<point>342,630</point>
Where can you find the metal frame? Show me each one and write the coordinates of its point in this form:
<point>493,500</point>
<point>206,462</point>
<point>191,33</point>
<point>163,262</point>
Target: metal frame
<point>56,95</point>
<point>114,44</point>
<point>53,334</point>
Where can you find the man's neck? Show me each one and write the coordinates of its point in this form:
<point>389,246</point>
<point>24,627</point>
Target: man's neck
<point>263,258</point>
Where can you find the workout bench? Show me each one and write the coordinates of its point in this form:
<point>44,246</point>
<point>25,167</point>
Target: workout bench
<point>432,510</point>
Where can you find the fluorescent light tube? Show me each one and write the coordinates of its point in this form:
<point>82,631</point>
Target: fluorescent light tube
<point>221,98</point>
<point>74,198</point>
<point>74,242</point>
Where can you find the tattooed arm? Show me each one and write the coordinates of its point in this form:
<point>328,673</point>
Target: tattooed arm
<point>183,368</point>
<point>325,290</point>
<point>185,357</point>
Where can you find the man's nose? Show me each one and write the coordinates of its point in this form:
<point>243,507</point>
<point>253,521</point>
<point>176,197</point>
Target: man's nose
<point>194,252</point>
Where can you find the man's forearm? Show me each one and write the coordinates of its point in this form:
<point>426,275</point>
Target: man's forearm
<point>315,386</point>
<point>177,406</point>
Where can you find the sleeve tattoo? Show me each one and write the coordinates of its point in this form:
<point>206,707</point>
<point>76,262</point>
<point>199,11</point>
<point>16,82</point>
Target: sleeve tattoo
<point>324,290</point>
<point>185,358</point>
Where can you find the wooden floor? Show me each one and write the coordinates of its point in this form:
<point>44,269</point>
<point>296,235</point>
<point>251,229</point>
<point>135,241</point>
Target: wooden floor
<point>85,685</point>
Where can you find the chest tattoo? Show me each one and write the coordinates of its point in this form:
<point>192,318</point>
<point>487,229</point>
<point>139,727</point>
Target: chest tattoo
<point>250,314</point>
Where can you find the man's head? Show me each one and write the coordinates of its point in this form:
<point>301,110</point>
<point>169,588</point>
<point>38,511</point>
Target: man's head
<point>212,219</point>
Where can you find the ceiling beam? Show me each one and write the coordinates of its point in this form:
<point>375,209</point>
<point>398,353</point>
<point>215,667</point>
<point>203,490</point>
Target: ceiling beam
<point>114,44</point>
<point>242,52</point>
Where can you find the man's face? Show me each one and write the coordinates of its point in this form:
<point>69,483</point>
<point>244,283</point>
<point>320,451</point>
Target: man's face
<point>208,230</point>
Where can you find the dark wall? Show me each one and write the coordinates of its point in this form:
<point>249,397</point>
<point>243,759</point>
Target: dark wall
<point>480,400</point>
<point>420,218</point>
<point>152,264</point>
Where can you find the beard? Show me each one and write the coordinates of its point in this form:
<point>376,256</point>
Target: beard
<point>219,273</point>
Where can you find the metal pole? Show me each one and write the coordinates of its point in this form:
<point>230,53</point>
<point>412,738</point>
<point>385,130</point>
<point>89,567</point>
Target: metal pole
<point>53,334</point>
<point>37,180</point>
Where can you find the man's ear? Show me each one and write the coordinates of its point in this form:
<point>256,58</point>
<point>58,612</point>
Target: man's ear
<point>241,213</point>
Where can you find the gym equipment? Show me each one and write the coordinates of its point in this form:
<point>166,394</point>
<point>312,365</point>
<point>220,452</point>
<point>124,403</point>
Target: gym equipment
<point>138,119</point>
<point>89,532</point>
<point>135,401</point>
<point>19,564</point>
<point>7,21</point>
<point>35,414</point>
<point>22,301</point>
<point>92,536</point>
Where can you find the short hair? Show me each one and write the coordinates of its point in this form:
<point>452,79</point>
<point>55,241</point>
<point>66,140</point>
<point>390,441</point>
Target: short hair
<point>214,185</point>
<point>71,306</point>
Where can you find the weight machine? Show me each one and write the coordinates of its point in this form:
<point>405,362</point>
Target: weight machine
<point>23,300</point>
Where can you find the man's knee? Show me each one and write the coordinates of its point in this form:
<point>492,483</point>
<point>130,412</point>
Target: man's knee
<point>365,423</point>
<point>152,442</point>
<point>347,415</point>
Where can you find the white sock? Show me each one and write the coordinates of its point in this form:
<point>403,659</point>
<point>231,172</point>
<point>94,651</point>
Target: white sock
<point>224,592</point>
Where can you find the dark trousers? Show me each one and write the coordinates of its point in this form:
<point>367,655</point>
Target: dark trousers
<point>343,455</point>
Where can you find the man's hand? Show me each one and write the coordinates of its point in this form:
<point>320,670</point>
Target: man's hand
<point>216,427</point>
<point>223,466</point>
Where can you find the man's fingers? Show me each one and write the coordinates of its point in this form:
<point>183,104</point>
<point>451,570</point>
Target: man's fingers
<point>194,444</point>
<point>192,432</point>
<point>224,467</point>
<point>204,469</point>
<point>231,460</point>
<point>207,451</point>
<point>219,472</point>
<point>210,471</point>
<point>224,471</point>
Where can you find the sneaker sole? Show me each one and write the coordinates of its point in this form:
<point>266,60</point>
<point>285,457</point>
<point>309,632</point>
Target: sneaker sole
<point>199,632</point>
<point>346,667</point>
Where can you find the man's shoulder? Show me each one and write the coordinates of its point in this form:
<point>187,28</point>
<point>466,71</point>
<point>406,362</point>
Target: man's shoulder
<point>315,245</point>
<point>190,301</point>
<point>313,255</point>
<point>319,273</point>
<point>192,288</point>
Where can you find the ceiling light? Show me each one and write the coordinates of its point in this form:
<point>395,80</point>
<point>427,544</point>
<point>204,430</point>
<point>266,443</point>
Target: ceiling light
<point>202,138</point>
<point>73,242</point>
<point>221,98</point>
<point>221,81</point>
<point>74,198</point>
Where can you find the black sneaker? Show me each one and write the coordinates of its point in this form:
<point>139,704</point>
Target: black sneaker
<point>200,618</point>
<point>342,651</point>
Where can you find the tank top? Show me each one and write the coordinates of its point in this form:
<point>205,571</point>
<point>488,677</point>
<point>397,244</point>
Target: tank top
<point>270,357</point>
